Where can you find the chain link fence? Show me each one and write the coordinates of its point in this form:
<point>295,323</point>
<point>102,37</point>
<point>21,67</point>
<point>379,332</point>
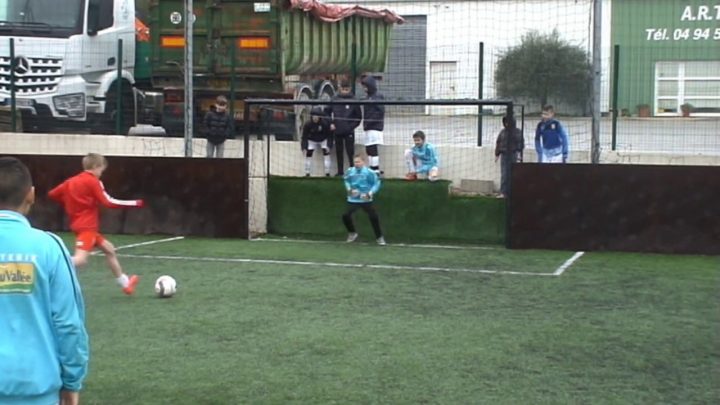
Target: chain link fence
<point>660,73</point>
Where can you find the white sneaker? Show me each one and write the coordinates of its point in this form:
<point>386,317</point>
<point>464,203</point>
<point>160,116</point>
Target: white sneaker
<point>352,236</point>
<point>381,241</point>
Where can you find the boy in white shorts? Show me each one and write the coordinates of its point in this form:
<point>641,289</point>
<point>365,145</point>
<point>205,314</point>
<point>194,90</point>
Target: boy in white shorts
<point>373,123</point>
<point>316,135</point>
<point>551,138</point>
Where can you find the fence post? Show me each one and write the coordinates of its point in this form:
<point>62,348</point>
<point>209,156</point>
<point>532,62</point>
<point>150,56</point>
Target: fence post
<point>522,123</point>
<point>13,106</point>
<point>246,158</point>
<point>481,71</point>
<point>353,68</point>
<point>189,110</point>
<point>267,168</point>
<point>246,130</point>
<point>597,84</point>
<point>615,90</point>
<point>510,112</point>
<point>118,88</point>
<point>232,87</point>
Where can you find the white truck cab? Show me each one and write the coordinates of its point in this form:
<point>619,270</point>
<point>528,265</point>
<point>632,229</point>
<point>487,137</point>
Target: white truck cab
<point>63,63</point>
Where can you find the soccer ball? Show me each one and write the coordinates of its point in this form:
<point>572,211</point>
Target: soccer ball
<point>165,286</point>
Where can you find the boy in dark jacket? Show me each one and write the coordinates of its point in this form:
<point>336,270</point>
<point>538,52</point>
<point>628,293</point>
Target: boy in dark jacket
<point>315,135</point>
<point>373,122</point>
<point>343,121</point>
<point>217,127</point>
<point>509,149</point>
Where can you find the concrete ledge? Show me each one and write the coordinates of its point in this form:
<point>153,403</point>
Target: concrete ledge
<point>477,186</point>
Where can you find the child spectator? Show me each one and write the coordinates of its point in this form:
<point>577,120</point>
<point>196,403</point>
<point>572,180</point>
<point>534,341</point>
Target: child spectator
<point>217,126</point>
<point>315,135</point>
<point>421,159</point>
<point>551,138</point>
<point>509,149</point>
<point>373,123</point>
<point>343,121</point>
<point>43,340</point>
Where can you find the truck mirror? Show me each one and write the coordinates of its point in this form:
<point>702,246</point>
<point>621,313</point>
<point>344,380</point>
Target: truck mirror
<point>93,21</point>
<point>100,16</point>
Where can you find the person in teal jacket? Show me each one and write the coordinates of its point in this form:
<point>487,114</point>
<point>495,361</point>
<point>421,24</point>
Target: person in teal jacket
<point>422,159</point>
<point>361,185</point>
<point>43,341</point>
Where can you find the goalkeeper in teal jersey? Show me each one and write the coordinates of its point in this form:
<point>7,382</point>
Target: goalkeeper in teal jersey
<point>422,159</point>
<point>361,185</point>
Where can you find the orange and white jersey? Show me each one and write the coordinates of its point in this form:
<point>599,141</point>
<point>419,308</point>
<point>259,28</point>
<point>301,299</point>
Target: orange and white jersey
<point>81,196</point>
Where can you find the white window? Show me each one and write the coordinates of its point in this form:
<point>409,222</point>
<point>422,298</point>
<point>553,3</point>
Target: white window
<point>693,83</point>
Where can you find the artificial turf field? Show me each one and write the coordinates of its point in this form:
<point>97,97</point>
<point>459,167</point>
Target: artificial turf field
<point>278,321</point>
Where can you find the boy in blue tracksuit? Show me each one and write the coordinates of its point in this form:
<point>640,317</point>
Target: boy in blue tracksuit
<point>43,341</point>
<point>361,185</point>
<point>551,138</point>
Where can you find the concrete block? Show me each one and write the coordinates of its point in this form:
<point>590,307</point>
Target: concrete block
<point>477,186</point>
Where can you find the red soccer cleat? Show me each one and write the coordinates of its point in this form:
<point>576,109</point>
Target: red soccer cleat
<point>132,283</point>
<point>411,177</point>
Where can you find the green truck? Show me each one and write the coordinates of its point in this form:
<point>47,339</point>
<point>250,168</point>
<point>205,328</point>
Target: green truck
<point>269,49</point>
<point>91,60</point>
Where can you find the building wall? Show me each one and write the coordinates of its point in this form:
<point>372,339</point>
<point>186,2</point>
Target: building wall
<point>660,30</point>
<point>404,75</point>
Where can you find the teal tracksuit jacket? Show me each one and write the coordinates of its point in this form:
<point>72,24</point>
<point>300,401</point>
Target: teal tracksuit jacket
<point>43,341</point>
<point>363,180</point>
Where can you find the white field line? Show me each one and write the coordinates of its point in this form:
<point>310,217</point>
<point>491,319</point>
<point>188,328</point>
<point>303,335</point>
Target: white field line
<point>560,270</point>
<point>410,245</point>
<point>150,242</point>
<point>333,264</point>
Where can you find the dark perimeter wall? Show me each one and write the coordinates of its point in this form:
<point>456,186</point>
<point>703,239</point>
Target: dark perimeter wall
<point>183,196</point>
<point>642,208</point>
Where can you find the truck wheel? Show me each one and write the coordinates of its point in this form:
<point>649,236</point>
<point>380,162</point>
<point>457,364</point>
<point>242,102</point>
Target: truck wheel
<point>302,113</point>
<point>127,108</point>
<point>326,94</point>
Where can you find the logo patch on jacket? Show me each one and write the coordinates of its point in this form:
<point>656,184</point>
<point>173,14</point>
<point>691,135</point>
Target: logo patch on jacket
<point>17,278</point>
<point>553,126</point>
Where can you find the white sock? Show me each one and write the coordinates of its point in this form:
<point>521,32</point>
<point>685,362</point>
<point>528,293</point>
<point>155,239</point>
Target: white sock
<point>409,161</point>
<point>123,280</point>
<point>374,161</point>
<point>308,163</point>
<point>326,162</point>
<point>410,166</point>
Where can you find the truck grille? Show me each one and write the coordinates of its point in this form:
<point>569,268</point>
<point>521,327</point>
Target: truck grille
<point>33,76</point>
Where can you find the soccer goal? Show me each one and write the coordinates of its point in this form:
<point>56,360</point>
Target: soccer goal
<point>464,147</point>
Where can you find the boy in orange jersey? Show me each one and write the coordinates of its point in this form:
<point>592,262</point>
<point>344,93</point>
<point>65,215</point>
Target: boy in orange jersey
<point>81,197</point>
